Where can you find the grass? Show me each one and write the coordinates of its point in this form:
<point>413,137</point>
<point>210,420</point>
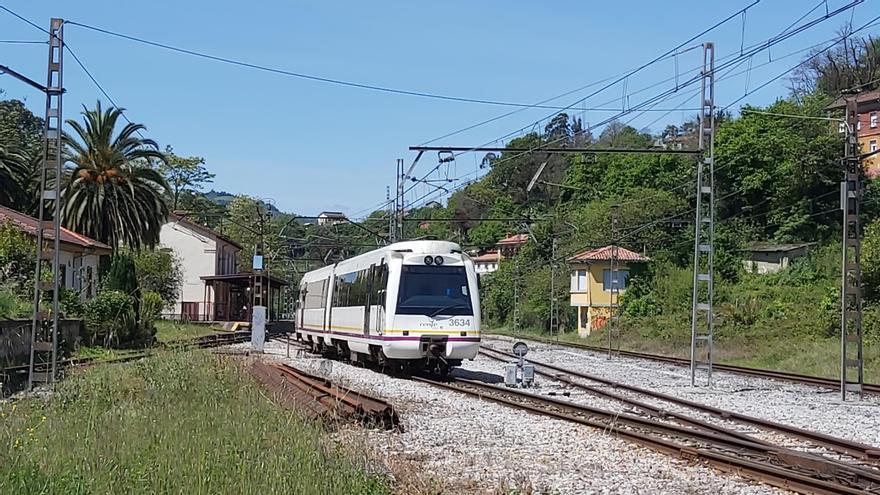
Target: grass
<point>178,422</point>
<point>792,353</point>
<point>167,331</point>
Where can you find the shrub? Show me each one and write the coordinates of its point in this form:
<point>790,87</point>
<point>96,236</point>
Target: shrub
<point>17,259</point>
<point>11,305</point>
<point>159,271</point>
<point>71,304</point>
<point>152,304</point>
<point>110,319</point>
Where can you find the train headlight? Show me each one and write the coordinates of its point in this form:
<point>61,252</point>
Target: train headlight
<point>429,260</point>
<point>438,260</point>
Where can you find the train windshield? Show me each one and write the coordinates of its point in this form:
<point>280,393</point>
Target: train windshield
<point>434,290</point>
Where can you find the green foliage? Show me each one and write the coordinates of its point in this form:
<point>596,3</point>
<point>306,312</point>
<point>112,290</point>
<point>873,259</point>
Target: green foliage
<point>71,304</point>
<point>110,319</point>
<point>152,304</point>
<point>12,306</point>
<point>17,260</point>
<point>123,274</point>
<point>183,174</point>
<point>159,271</point>
<point>871,260</point>
<point>182,422</point>
<point>114,194</point>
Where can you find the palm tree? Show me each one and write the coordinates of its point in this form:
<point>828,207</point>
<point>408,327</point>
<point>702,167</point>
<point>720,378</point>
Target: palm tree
<point>13,170</point>
<point>113,194</point>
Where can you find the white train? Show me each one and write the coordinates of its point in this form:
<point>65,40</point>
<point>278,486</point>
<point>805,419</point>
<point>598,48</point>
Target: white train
<point>409,305</point>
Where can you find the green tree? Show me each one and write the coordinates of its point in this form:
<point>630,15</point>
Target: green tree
<point>20,129</point>
<point>13,171</point>
<point>114,194</point>
<point>183,174</point>
<point>159,271</point>
<point>17,259</point>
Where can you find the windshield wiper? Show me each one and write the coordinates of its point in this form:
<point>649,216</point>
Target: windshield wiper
<point>444,308</point>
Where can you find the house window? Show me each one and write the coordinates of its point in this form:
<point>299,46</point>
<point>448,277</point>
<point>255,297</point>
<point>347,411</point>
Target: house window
<point>872,145</point>
<point>579,281</point>
<point>622,277</point>
<point>873,119</point>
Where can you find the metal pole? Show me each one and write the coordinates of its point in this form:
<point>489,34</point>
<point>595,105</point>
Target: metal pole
<point>516,296</point>
<point>702,317</point>
<point>554,303</point>
<point>615,284</point>
<point>401,178</point>
<point>44,354</point>
<point>851,368</point>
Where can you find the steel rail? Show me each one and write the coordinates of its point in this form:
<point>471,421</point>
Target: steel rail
<point>818,381</point>
<point>778,466</point>
<point>843,446</point>
<point>203,342</point>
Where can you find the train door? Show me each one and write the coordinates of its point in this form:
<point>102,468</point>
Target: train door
<point>367,302</point>
<point>327,289</point>
<point>380,283</point>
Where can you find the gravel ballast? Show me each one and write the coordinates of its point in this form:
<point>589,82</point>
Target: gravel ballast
<point>812,408</point>
<point>474,446</point>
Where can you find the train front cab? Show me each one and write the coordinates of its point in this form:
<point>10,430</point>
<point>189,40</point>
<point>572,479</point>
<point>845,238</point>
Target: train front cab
<point>434,309</point>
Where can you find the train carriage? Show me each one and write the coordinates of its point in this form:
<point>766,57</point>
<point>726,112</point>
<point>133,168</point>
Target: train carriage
<point>411,304</point>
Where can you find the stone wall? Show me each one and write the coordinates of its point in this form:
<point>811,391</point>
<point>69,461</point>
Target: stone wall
<point>15,340</point>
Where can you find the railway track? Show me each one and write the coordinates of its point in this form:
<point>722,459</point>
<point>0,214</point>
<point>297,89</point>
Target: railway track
<point>683,436</point>
<point>16,373</point>
<point>817,381</point>
<point>318,397</point>
<point>760,461</point>
<point>862,452</point>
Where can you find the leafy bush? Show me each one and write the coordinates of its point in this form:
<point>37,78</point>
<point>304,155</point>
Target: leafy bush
<point>71,304</point>
<point>152,304</point>
<point>17,259</point>
<point>12,306</point>
<point>641,306</point>
<point>159,271</point>
<point>111,321</point>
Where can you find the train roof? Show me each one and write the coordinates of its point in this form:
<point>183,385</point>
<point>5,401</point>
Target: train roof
<point>413,247</point>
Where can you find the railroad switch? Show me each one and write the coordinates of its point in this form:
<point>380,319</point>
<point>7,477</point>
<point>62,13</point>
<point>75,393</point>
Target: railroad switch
<point>520,373</point>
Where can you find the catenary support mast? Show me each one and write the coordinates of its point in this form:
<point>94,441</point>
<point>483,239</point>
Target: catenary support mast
<point>44,329</point>
<point>702,316</point>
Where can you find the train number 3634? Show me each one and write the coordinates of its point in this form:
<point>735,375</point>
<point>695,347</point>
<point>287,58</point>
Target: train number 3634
<point>459,322</point>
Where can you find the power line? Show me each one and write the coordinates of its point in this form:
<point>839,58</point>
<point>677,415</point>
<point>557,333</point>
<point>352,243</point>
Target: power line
<point>785,34</point>
<point>312,77</point>
<point>78,62</point>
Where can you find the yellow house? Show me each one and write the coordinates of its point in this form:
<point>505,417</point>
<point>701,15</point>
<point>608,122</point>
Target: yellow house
<point>591,284</point>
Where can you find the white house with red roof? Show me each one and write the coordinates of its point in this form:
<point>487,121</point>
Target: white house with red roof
<point>591,284</point>
<point>486,262</point>
<point>203,252</point>
<point>79,255</point>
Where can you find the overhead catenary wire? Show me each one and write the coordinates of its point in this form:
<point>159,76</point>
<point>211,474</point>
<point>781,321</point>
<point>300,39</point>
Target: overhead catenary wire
<point>79,62</point>
<point>311,77</point>
<point>733,64</point>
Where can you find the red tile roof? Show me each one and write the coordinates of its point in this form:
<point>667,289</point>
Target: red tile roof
<point>604,254</point>
<point>488,257</point>
<point>513,240</point>
<point>28,225</point>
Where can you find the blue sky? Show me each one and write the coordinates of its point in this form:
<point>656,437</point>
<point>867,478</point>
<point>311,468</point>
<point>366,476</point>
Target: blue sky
<point>311,146</point>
